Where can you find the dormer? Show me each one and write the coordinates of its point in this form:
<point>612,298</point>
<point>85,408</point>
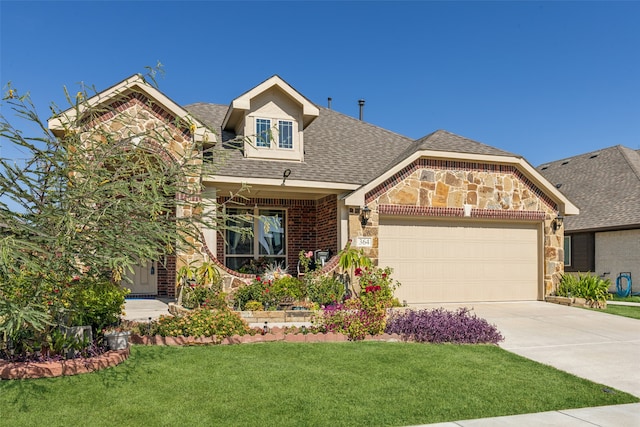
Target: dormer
<point>272,118</point>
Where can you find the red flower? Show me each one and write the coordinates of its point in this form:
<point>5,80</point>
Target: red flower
<point>258,278</point>
<point>358,272</point>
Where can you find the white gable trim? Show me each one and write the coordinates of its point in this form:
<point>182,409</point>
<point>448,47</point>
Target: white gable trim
<point>243,102</point>
<point>138,84</point>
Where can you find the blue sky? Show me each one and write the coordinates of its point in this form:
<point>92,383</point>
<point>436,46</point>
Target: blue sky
<point>545,80</point>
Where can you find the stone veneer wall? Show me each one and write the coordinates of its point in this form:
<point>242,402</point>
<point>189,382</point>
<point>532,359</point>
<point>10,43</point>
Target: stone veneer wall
<point>436,188</point>
<point>133,114</point>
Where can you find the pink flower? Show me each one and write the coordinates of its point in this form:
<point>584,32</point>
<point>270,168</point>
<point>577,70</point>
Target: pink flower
<point>309,254</point>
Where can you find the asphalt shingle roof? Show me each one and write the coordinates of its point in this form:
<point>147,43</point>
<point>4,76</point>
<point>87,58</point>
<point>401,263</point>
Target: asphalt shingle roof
<point>604,184</point>
<point>338,148</point>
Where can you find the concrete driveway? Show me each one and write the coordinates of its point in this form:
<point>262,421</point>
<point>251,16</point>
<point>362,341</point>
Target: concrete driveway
<point>597,346</point>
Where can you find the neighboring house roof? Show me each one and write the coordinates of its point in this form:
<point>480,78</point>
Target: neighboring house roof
<point>604,184</point>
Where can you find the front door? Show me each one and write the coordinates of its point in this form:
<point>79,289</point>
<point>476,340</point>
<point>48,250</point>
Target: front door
<point>143,280</point>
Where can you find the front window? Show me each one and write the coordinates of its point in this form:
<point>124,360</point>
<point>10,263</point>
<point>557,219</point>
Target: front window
<point>263,132</point>
<point>567,250</point>
<point>267,241</point>
<point>285,134</point>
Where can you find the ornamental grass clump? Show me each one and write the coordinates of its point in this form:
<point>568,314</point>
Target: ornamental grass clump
<point>442,326</point>
<point>590,287</point>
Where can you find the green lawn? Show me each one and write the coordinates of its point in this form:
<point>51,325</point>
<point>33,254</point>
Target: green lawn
<point>287,384</point>
<point>622,310</point>
<point>631,298</point>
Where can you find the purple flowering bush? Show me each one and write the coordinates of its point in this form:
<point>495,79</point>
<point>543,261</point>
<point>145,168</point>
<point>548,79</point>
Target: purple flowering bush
<point>442,326</point>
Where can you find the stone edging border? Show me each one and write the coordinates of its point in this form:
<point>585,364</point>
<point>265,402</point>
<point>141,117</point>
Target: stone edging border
<point>24,370</point>
<point>574,302</point>
<point>276,334</point>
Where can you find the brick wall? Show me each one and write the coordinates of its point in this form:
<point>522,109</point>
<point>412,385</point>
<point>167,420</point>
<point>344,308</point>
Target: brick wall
<point>311,225</point>
<point>167,277</point>
<point>327,220</point>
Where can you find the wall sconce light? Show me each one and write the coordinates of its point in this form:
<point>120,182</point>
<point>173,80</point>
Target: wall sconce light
<point>365,214</point>
<point>285,175</point>
<point>557,223</point>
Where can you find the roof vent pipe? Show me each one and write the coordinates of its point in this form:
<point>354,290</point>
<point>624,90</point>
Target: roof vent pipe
<point>361,104</point>
<point>329,103</point>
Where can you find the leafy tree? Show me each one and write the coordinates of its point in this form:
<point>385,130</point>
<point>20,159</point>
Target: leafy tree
<point>102,193</point>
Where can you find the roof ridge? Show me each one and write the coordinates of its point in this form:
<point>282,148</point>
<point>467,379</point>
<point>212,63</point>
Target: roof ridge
<point>634,167</point>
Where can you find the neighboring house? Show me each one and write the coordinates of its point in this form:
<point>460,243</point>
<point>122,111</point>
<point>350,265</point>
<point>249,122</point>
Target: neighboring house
<point>457,220</point>
<point>605,237</point>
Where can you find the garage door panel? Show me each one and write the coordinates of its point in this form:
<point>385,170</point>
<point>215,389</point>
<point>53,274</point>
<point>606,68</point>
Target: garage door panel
<point>438,261</point>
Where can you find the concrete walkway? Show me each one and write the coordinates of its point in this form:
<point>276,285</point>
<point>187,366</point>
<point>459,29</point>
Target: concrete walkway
<point>597,346</point>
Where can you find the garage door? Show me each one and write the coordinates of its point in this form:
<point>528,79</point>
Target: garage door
<point>461,261</point>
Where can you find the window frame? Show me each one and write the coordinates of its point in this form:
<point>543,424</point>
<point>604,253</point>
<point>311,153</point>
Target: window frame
<point>288,125</point>
<point>567,251</point>
<point>263,134</point>
<point>256,214</point>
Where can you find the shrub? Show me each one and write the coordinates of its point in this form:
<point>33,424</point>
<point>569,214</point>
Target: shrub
<point>442,326</point>
<point>270,293</point>
<point>324,290</point>
<point>201,323</point>
<point>590,287</point>
<point>254,306</point>
<point>96,302</point>
<point>376,286</point>
<point>353,319</point>
<point>251,292</point>
<point>197,295</point>
<point>287,289</point>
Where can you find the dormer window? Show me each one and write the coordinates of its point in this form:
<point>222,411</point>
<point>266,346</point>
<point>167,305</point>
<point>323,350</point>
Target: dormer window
<point>272,116</point>
<point>285,134</point>
<point>280,137</point>
<point>263,133</point>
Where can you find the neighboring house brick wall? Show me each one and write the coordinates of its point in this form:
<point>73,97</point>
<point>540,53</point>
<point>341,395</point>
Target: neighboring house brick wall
<point>440,189</point>
<point>583,248</point>
<point>617,252</point>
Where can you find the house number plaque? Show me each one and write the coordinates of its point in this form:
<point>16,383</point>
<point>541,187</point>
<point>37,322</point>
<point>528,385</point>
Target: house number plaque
<point>364,242</point>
